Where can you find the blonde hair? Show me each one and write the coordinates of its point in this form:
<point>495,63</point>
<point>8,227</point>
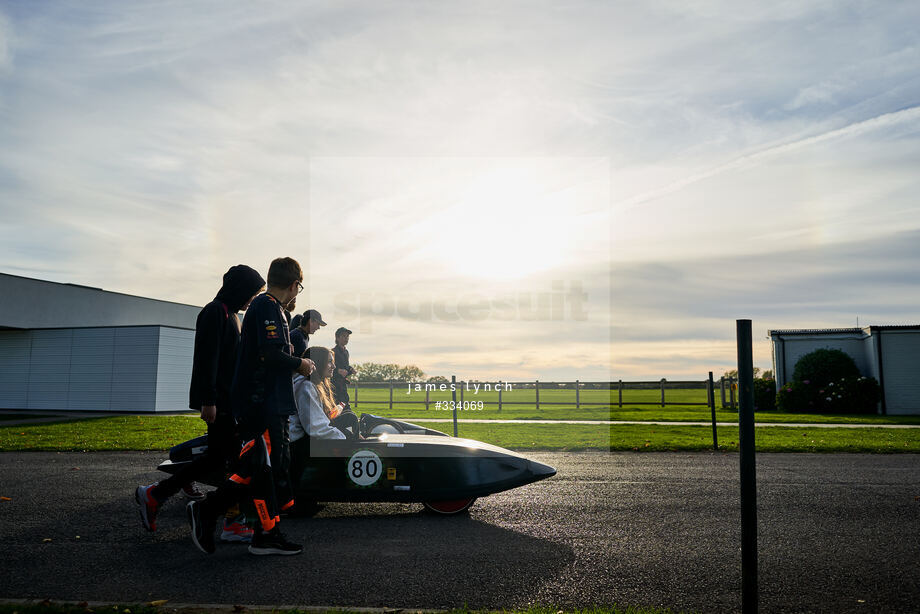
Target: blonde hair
<point>321,357</point>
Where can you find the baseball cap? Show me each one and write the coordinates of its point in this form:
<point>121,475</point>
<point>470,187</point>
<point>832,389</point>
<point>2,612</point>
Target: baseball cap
<point>341,330</point>
<point>312,314</point>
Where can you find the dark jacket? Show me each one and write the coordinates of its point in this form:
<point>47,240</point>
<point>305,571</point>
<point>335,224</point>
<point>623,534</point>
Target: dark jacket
<point>299,342</point>
<point>217,339</point>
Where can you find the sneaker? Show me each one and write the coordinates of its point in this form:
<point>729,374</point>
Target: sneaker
<point>273,542</point>
<point>236,530</point>
<point>191,491</point>
<point>146,507</point>
<point>202,527</point>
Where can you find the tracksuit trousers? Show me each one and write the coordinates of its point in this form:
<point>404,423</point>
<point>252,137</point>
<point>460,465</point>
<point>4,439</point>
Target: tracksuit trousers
<point>260,473</point>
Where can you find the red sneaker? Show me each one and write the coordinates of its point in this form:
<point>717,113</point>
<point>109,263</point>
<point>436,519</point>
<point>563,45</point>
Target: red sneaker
<point>191,491</point>
<point>236,530</point>
<point>147,507</point>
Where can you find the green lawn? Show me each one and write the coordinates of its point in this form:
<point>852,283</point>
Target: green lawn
<point>671,413</point>
<point>377,401</point>
<point>162,432</point>
<point>402,396</point>
<point>155,607</point>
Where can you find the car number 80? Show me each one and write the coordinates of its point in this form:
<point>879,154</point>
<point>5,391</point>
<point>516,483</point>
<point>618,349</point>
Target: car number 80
<point>364,468</point>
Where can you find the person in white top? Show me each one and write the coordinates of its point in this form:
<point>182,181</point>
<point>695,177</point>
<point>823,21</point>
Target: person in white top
<point>314,401</point>
<point>316,412</point>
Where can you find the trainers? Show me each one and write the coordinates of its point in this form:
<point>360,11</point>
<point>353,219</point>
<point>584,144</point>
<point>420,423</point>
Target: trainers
<point>236,530</point>
<point>273,542</point>
<point>202,527</point>
<point>191,491</point>
<point>146,507</point>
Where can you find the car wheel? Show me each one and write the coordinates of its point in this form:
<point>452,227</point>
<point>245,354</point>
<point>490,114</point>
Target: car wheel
<point>449,507</point>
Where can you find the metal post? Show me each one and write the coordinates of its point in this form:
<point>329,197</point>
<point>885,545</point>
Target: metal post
<point>453,381</point>
<point>620,389</point>
<point>748,469</point>
<point>356,394</point>
<point>536,387</point>
<point>731,391</point>
<point>577,400</point>
<point>461,393</point>
<point>499,397</point>
<point>662,391</point>
<point>427,396</point>
<point>391,396</point>
<point>722,390</point>
<point>711,397</point>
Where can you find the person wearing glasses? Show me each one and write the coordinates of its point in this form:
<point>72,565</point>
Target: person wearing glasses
<point>262,397</point>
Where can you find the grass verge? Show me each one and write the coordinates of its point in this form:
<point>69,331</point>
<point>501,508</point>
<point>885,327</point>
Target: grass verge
<point>670,413</point>
<point>162,432</point>
<point>49,607</point>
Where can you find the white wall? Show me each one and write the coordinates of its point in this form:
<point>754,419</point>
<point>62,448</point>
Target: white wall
<point>901,366</point>
<point>15,348</point>
<point>130,369</point>
<point>799,345</point>
<point>174,369</point>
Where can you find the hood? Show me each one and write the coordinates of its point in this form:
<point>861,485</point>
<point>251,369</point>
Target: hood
<point>240,284</point>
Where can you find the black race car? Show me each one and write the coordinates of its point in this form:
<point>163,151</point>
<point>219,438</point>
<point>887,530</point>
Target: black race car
<point>400,462</point>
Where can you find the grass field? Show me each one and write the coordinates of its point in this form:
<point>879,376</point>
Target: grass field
<point>162,432</point>
<point>164,607</point>
<point>402,395</point>
<point>377,401</point>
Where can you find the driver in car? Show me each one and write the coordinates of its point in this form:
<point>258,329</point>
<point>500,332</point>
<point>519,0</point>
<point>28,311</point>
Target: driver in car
<point>317,416</point>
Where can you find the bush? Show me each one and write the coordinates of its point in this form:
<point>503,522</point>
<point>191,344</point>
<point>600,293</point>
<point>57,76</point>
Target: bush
<point>849,396</point>
<point>824,366</point>
<point>827,381</point>
<point>764,393</point>
<point>796,397</point>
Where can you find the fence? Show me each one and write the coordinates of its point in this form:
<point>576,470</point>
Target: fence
<point>510,393</point>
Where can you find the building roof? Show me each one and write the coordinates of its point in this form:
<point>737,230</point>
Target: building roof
<point>35,303</point>
<point>865,330</point>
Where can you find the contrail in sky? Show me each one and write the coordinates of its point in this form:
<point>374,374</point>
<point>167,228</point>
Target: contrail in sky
<point>854,129</point>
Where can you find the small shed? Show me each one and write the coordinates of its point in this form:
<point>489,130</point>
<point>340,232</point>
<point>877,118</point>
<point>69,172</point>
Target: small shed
<point>69,347</point>
<point>890,354</point>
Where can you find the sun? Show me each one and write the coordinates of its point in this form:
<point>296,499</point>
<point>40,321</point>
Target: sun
<point>506,224</point>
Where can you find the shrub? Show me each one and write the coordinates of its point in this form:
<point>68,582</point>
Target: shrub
<point>827,381</point>
<point>764,393</point>
<point>796,397</point>
<point>849,396</point>
<point>824,366</point>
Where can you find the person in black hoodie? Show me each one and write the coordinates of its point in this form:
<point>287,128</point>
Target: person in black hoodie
<point>217,340</point>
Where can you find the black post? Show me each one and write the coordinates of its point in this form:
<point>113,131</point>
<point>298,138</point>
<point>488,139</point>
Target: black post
<point>748,467</point>
<point>453,387</point>
<point>712,406</point>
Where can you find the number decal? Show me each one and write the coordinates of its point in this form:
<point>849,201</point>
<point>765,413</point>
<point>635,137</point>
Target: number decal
<point>364,467</point>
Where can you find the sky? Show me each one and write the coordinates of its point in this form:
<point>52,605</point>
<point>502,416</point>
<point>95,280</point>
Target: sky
<point>496,190</point>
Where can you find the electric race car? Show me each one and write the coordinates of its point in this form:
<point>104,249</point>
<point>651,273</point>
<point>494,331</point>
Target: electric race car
<point>397,461</point>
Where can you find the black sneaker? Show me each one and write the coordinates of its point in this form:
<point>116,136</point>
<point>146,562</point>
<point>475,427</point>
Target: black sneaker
<point>273,542</point>
<point>202,526</point>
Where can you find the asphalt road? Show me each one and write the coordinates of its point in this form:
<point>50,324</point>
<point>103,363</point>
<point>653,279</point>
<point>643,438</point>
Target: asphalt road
<point>837,533</point>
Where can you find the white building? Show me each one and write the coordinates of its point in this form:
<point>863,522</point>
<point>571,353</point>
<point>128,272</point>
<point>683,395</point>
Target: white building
<point>68,347</point>
<point>890,354</point>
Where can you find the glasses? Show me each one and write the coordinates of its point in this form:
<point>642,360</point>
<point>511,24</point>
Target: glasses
<point>299,287</point>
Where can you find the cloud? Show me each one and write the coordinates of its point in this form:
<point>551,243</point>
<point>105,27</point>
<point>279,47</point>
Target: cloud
<point>694,163</point>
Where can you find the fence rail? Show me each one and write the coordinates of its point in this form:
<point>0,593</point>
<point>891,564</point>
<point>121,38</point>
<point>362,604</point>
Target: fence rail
<point>727,392</point>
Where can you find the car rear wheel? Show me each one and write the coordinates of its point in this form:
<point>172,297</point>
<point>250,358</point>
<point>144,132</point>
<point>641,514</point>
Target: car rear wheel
<point>449,507</point>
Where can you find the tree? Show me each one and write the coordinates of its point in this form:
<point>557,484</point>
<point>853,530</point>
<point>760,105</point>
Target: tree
<point>377,372</point>
<point>734,373</point>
